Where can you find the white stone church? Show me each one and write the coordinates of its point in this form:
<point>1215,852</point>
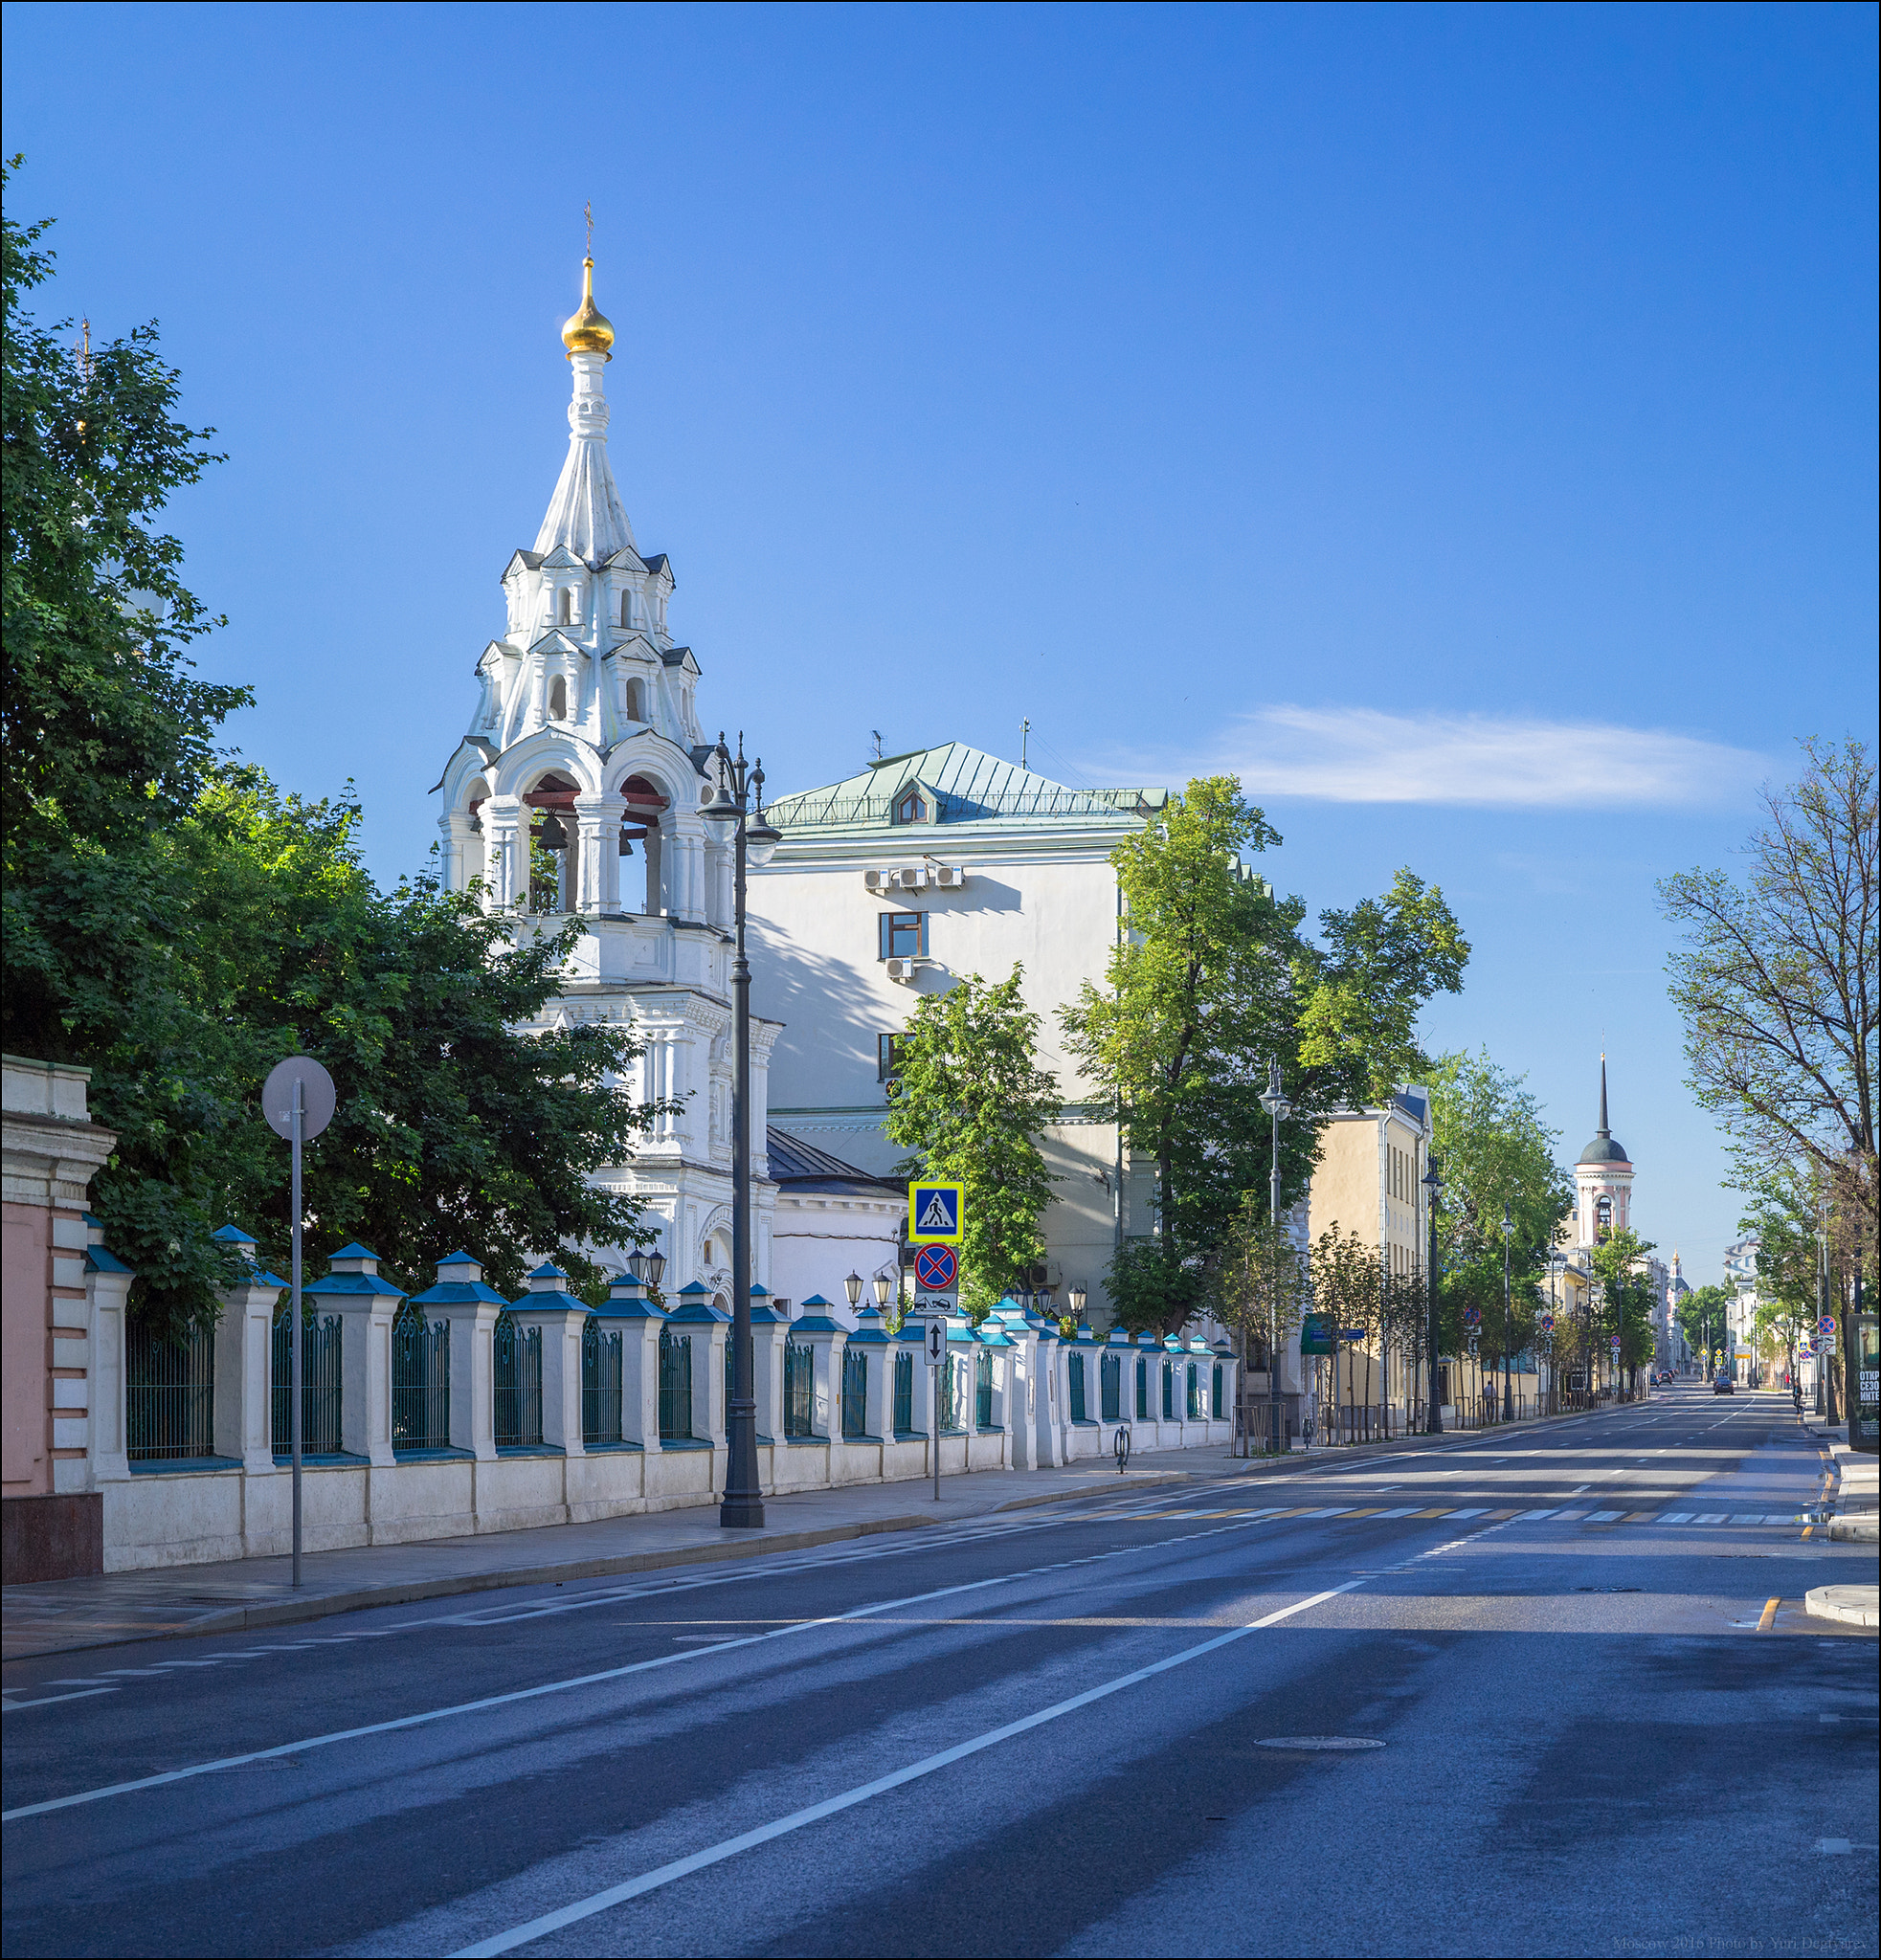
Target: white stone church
<point>577,790</point>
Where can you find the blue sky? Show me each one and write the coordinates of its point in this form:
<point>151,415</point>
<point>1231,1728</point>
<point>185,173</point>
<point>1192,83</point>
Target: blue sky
<point>1460,421</point>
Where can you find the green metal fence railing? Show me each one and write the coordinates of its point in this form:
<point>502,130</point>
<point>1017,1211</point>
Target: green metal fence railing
<point>855,1395</point>
<point>600,1384</point>
<point>517,1363</point>
<point>320,1385</point>
<point>420,1382</point>
<point>675,1387</point>
<point>799,1364</point>
<point>170,1394</point>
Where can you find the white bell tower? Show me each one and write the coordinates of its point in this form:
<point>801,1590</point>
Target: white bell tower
<point>576,792</point>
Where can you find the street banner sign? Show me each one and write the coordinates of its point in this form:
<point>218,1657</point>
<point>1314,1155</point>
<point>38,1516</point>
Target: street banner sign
<point>1316,1335</point>
<point>1351,1333</point>
<point>935,1212</point>
<point>937,1268</point>
<point>936,1350</point>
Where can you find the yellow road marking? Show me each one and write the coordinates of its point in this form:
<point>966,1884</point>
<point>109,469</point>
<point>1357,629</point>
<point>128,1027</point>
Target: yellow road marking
<point>1769,1613</point>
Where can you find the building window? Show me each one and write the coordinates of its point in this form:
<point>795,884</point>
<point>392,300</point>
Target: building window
<point>903,934</point>
<point>567,606</point>
<point>558,699</point>
<point>885,1046</point>
<point>626,609</point>
<point>632,702</point>
<point>1603,1212</point>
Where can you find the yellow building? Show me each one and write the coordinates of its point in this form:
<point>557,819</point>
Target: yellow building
<point>1368,1181</point>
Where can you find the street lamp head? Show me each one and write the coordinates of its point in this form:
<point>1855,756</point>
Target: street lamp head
<point>1079,1296</point>
<point>761,840</point>
<point>655,1264</point>
<point>636,1265</point>
<point>1276,1105</point>
<point>883,1285</point>
<point>853,1287</point>
<point>1432,1184</point>
<point>720,815</point>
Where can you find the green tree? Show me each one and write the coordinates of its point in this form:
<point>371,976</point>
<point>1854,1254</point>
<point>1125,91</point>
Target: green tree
<point>1213,977</point>
<point>1628,1301</point>
<point>177,924</point>
<point>969,1100</point>
<point>105,738</point>
<point>458,1120</point>
<point>1703,1317</point>
<point>1263,1287</point>
<point>1495,1156</point>
<point>1776,981</point>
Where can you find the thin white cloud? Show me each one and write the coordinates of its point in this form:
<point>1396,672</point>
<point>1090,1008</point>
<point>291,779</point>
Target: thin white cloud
<point>1363,756</point>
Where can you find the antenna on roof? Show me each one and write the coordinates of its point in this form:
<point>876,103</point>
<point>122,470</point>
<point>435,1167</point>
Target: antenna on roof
<point>1024,740</point>
<point>877,733</point>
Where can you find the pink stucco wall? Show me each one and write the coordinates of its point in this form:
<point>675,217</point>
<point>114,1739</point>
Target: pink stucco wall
<point>26,1271</point>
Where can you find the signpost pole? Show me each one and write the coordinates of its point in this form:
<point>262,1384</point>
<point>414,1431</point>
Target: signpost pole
<point>295,1361</point>
<point>935,1371</point>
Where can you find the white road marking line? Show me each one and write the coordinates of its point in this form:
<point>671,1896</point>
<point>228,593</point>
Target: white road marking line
<point>731,1847</point>
<point>45,1700</point>
<point>607,1674</point>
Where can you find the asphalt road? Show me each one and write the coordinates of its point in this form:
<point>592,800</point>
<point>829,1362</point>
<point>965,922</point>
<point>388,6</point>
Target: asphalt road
<point>1589,1715</point>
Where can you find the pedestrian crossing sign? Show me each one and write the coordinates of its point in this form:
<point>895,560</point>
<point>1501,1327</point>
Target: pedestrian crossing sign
<point>935,1212</point>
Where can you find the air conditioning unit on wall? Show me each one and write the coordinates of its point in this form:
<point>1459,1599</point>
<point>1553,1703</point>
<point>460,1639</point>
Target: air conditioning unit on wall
<point>912,877</point>
<point>949,878</point>
<point>878,881</point>
<point>902,971</point>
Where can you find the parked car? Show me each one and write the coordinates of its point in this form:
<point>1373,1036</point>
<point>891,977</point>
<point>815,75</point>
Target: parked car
<point>1724,1385</point>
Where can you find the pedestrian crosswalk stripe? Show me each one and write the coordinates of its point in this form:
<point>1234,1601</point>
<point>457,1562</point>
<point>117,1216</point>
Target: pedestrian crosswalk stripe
<point>1470,1514</point>
<point>1603,1517</point>
<point>1676,1518</point>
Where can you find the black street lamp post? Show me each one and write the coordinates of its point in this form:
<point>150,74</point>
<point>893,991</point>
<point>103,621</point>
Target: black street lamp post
<point>1433,1425</point>
<point>754,840</point>
<point>1508,1307</point>
<point>1278,1108</point>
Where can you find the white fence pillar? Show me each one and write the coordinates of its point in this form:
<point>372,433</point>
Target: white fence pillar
<point>366,1304</point>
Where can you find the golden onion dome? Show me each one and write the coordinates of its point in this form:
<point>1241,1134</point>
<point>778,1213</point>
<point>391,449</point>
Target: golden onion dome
<point>588,330</point>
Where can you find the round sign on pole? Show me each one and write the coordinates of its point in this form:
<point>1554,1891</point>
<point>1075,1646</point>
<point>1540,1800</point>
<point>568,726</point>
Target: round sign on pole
<point>1546,1324</point>
<point>937,1268</point>
<point>316,1097</point>
<point>1827,1324</point>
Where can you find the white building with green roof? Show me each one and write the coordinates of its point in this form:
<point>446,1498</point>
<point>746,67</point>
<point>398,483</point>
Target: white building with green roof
<point>895,882</point>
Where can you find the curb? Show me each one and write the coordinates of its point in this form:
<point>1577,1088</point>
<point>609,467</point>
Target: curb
<point>287,1613</point>
<point>1855,1530</point>
<point>1854,1606</point>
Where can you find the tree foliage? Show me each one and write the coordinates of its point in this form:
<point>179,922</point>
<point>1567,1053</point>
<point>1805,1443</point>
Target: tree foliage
<point>1778,982</point>
<point>1495,1156</point>
<point>968,1101</point>
<point>1626,1300</point>
<point>1214,976</point>
<point>178,925</point>
<point>1263,1281</point>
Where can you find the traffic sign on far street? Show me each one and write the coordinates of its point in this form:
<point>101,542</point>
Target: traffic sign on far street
<point>1827,1324</point>
<point>936,1267</point>
<point>935,1212</point>
<point>936,1350</point>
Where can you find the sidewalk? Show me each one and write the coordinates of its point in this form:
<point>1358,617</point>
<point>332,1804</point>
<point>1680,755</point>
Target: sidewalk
<point>1856,1496</point>
<point>241,1596</point>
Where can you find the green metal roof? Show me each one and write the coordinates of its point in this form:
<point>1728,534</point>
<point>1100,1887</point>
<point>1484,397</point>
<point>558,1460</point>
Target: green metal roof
<point>966,785</point>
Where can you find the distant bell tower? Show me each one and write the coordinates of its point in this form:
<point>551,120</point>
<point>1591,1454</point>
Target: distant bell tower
<point>1603,1181</point>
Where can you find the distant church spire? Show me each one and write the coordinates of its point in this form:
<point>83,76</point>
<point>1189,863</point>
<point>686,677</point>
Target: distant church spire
<point>1605,1129</point>
<point>586,515</point>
